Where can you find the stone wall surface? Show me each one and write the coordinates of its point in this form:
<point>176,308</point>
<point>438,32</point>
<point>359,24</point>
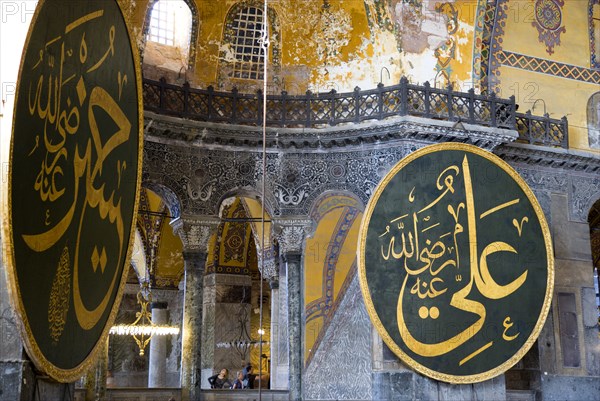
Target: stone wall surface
<point>341,368</point>
<point>565,183</point>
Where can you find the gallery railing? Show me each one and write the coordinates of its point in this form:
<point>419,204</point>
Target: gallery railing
<point>332,108</point>
<point>542,130</point>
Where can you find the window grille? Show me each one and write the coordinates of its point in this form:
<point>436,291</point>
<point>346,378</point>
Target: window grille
<point>162,24</point>
<point>249,56</point>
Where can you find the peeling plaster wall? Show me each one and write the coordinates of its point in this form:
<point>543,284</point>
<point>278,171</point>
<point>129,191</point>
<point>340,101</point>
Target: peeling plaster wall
<point>436,41</point>
<point>324,46</point>
<point>331,45</point>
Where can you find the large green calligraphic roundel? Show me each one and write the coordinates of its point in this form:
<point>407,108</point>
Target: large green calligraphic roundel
<point>455,263</point>
<point>75,167</point>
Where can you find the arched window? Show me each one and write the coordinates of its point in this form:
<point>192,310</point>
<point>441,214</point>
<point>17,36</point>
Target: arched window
<point>594,12</point>
<point>247,48</point>
<point>243,56</point>
<point>593,120</point>
<point>172,23</point>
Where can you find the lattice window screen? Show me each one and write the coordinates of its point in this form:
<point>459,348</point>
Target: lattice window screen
<point>162,24</point>
<point>249,58</point>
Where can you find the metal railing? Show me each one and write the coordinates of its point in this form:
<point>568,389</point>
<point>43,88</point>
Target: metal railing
<point>332,108</point>
<point>542,130</point>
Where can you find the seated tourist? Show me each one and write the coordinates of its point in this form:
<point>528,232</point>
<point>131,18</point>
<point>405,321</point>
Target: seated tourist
<point>239,381</point>
<point>248,380</point>
<point>220,380</point>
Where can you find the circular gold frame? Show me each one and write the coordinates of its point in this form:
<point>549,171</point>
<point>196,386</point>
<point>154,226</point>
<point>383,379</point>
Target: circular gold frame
<point>454,379</point>
<point>33,349</point>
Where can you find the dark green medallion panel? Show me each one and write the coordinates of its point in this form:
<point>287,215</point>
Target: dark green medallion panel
<point>455,263</point>
<point>74,179</point>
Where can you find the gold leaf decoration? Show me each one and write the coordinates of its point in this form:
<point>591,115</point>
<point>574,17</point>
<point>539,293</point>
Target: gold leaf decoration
<point>59,296</point>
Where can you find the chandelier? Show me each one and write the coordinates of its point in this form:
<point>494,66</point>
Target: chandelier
<point>142,329</point>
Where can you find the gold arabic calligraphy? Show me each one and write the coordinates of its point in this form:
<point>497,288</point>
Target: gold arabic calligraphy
<point>410,239</point>
<point>63,100</point>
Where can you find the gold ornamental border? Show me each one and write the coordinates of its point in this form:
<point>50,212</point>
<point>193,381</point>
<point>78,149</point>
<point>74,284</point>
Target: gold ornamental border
<point>33,349</point>
<point>454,379</point>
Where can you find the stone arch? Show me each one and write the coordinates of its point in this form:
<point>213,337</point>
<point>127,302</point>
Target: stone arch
<point>329,262</point>
<point>252,204</point>
<point>245,192</point>
<point>234,268</point>
<point>162,245</point>
<point>319,206</point>
<point>193,33</point>
<point>171,199</point>
<point>594,223</point>
<point>349,189</point>
<point>138,257</point>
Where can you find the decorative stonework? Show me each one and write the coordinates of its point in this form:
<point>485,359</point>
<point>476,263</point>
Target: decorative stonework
<point>346,351</point>
<point>548,22</point>
<point>295,177</point>
<point>554,158</point>
<point>268,267</point>
<point>160,128</point>
<point>194,233</point>
<point>594,37</point>
<point>290,235</point>
<point>549,67</point>
<point>168,197</point>
<point>584,192</point>
<point>549,170</point>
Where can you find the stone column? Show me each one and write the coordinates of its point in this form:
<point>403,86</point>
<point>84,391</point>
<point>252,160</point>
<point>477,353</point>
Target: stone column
<point>95,379</point>
<point>268,264</point>
<point>17,377</point>
<point>157,369</point>
<point>195,234</point>
<point>290,235</point>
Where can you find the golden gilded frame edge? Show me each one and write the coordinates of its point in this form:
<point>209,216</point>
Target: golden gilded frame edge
<point>31,346</point>
<point>455,379</point>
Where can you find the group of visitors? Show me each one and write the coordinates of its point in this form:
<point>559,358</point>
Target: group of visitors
<point>244,379</point>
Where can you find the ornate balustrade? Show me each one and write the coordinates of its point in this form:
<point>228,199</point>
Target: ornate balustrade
<point>542,130</point>
<point>332,108</point>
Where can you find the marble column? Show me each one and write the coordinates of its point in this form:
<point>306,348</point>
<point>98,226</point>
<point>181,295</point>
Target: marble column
<point>195,234</point>
<point>157,369</point>
<point>269,266</point>
<point>290,235</point>
<point>293,262</point>
<point>95,379</point>
<point>16,373</point>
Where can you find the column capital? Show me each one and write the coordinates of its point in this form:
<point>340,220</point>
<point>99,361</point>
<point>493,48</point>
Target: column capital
<point>195,232</point>
<point>267,264</point>
<point>290,234</point>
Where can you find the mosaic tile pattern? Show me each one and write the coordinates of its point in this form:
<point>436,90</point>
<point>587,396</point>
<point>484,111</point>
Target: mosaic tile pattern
<point>548,67</point>
<point>548,19</point>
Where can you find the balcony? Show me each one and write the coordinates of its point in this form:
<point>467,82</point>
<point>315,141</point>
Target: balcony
<point>332,108</point>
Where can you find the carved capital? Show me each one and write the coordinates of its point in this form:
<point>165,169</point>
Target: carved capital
<point>195,232</point>
<point>290,234</point>
<point>267,264</point>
